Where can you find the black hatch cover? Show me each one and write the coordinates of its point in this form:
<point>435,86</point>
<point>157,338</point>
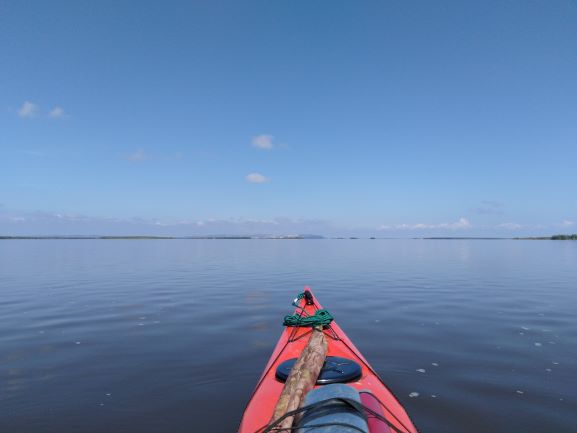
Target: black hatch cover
<point>335,370</point>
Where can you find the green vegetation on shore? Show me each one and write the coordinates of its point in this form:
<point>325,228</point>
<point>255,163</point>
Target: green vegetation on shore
<point>572,237</point>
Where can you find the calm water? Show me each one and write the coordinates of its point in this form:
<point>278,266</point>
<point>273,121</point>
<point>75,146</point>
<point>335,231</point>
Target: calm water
<point>171,335</point>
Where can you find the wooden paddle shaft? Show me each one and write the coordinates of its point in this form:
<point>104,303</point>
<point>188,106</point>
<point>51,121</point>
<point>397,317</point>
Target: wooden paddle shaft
<point>302,377</point>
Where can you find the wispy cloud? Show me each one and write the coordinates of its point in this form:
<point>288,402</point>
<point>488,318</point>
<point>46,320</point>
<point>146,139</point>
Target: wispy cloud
<point>139,155</point>
<point>567,223</point>
<point>490,207</point>
<point>57,113</point>
<point>257,178</point>
<point>28,109</point>
<point>34,153</point>
<point>13,222</point>
<point>462,223</point>
<point>174,157</point>
<point>54,223</point>
<point>263,141</point>
<point>510,226</point>
<point>143,155</point>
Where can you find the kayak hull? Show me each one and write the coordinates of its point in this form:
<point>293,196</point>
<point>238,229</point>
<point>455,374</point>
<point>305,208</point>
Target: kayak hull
<point>290,345</point>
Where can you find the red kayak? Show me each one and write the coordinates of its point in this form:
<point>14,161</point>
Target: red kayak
<point>345,370</point>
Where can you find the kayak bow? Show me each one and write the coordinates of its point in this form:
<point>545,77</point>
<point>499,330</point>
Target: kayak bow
<point>356,373</point>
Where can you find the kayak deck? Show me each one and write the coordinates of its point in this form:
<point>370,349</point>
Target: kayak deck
<point>290,345</point>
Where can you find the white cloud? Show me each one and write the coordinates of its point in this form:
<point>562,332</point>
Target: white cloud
<point>462,223</point>
<point>28,109</point>
<point>56,113</point>
<point>139,155</point>
<point>567,223</point>
<point>257,178</point>
<point>263,141</point>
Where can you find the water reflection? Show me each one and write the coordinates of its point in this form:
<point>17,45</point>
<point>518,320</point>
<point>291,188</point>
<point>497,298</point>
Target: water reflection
<point>172,336</point>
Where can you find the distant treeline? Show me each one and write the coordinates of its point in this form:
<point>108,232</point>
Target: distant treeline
<point>572,237</point>
<point>551,238</point>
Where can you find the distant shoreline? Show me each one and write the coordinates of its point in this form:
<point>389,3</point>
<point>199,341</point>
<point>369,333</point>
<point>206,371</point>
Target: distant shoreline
<point>279,237</point>
<point>526,238</point>
<point>79,237</point>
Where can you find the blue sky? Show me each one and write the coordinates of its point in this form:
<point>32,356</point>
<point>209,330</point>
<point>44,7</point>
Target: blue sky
<point>388,118</point>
